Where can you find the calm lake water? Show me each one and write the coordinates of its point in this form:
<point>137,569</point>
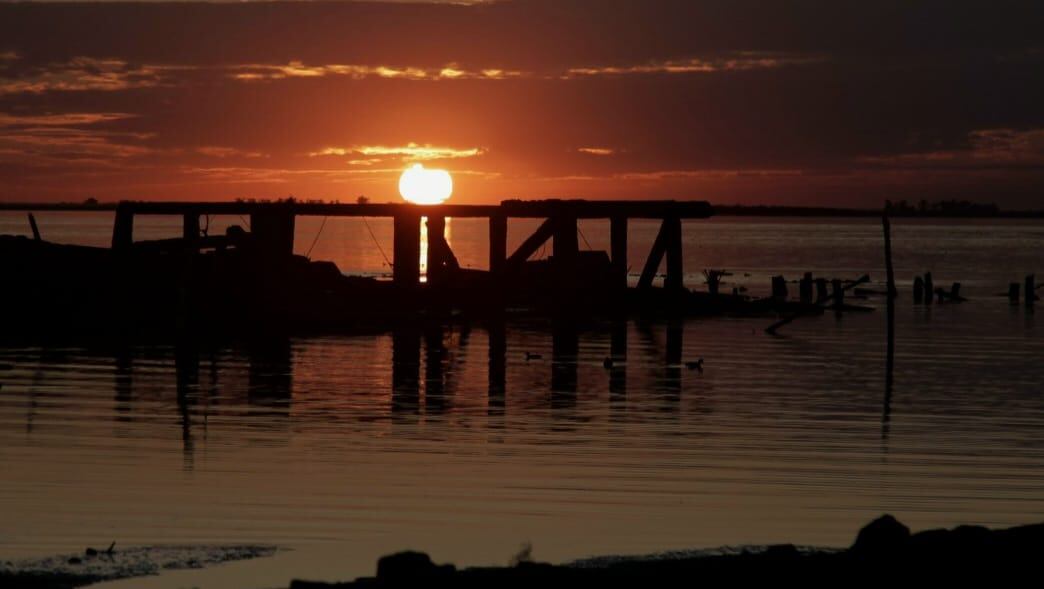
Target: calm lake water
<point>344,448</point>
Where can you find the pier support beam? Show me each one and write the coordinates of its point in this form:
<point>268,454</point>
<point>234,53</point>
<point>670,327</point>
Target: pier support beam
<point>440,257</point>
<point>190,229</point>
<point>566,248</point>
<point>497,243</point>
<point>406,251</point>
<point>675,271</point>
<point>618,251</point>
<point>668,242</point>
<point>531,244</point>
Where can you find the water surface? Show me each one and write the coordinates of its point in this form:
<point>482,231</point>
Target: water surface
<point>344,448</point>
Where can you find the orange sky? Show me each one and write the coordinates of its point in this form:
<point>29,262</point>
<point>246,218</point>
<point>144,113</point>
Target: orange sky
<point>815,102</point>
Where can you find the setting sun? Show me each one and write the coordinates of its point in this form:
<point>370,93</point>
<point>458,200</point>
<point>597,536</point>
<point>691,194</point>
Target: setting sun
<point>425,187</point>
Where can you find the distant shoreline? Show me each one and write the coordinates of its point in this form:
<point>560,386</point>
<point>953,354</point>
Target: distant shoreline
<point>788,211</point>
<point>975,212</point>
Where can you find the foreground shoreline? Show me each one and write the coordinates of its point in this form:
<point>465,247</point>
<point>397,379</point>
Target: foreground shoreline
<point>884,552</point>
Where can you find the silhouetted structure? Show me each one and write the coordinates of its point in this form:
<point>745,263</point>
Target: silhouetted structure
<point>252,279</point>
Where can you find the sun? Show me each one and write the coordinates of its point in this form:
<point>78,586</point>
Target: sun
<point>425,187</point>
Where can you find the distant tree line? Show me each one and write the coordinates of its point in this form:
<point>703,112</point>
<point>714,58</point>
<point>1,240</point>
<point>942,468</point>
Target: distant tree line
<point>924,208</point>
<point>942,208</point>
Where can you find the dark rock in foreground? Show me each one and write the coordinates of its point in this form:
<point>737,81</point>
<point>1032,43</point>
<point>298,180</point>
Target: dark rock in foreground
<point>884,554</point>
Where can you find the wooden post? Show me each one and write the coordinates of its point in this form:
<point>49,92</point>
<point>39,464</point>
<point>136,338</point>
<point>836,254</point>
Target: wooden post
<point>675,270</point>
<point>929,289</point>
<point>1013,292</point>
<point>890,357</point>
<point>918,290</point>
<point>440,256</point>
<point>779,288</point>
<point>190,229</point>
<point>821,290</point>
<point>805,289</point>
<point>497,243</point>
<point>406,249</point>
<point>35,229</point>
<point>123,227</point>
<point>1031,289</point>
<point>565,248</point>
<point>618,249</point>
<point>889,272</point>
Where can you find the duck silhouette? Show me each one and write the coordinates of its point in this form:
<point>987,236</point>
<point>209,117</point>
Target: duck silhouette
<point>696,365</point>
<point>532,356</point>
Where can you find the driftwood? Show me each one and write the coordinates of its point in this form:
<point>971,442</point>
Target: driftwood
<point>837,294</point>
<point>32,225</point>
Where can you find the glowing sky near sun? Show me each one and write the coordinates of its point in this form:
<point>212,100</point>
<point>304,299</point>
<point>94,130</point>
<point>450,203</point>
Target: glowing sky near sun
<point>836,103</point>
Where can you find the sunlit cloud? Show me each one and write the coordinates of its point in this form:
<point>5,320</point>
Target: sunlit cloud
<point>409,152</point>
<point>84,74</point>
<point>67,136</point>
<point>741,61</point>
<point>71,144</point>
<point>268,175</point>
<point>597,150</point>
<point>297,69</point>
<point>709,173</point>
<point>61,119</point>
<point>663,175</point>
<point>223,152</point>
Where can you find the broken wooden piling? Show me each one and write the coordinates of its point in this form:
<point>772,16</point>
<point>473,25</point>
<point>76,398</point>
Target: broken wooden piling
<point>840,289</point>
<point>779,288</point>
<point>805,289</point>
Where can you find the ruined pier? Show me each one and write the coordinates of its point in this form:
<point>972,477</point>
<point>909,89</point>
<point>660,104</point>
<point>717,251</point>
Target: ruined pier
<point>272,226</point>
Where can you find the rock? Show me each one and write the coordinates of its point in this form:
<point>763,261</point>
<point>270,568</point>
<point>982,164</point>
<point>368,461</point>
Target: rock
<point>781,552</point>
<point>885,535</point>
<point>410,566</point>
<point>91,552</point>
<point>75,560</point>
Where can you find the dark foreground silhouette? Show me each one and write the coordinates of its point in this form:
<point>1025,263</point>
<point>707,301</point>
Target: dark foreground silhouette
<point>885,553</point>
